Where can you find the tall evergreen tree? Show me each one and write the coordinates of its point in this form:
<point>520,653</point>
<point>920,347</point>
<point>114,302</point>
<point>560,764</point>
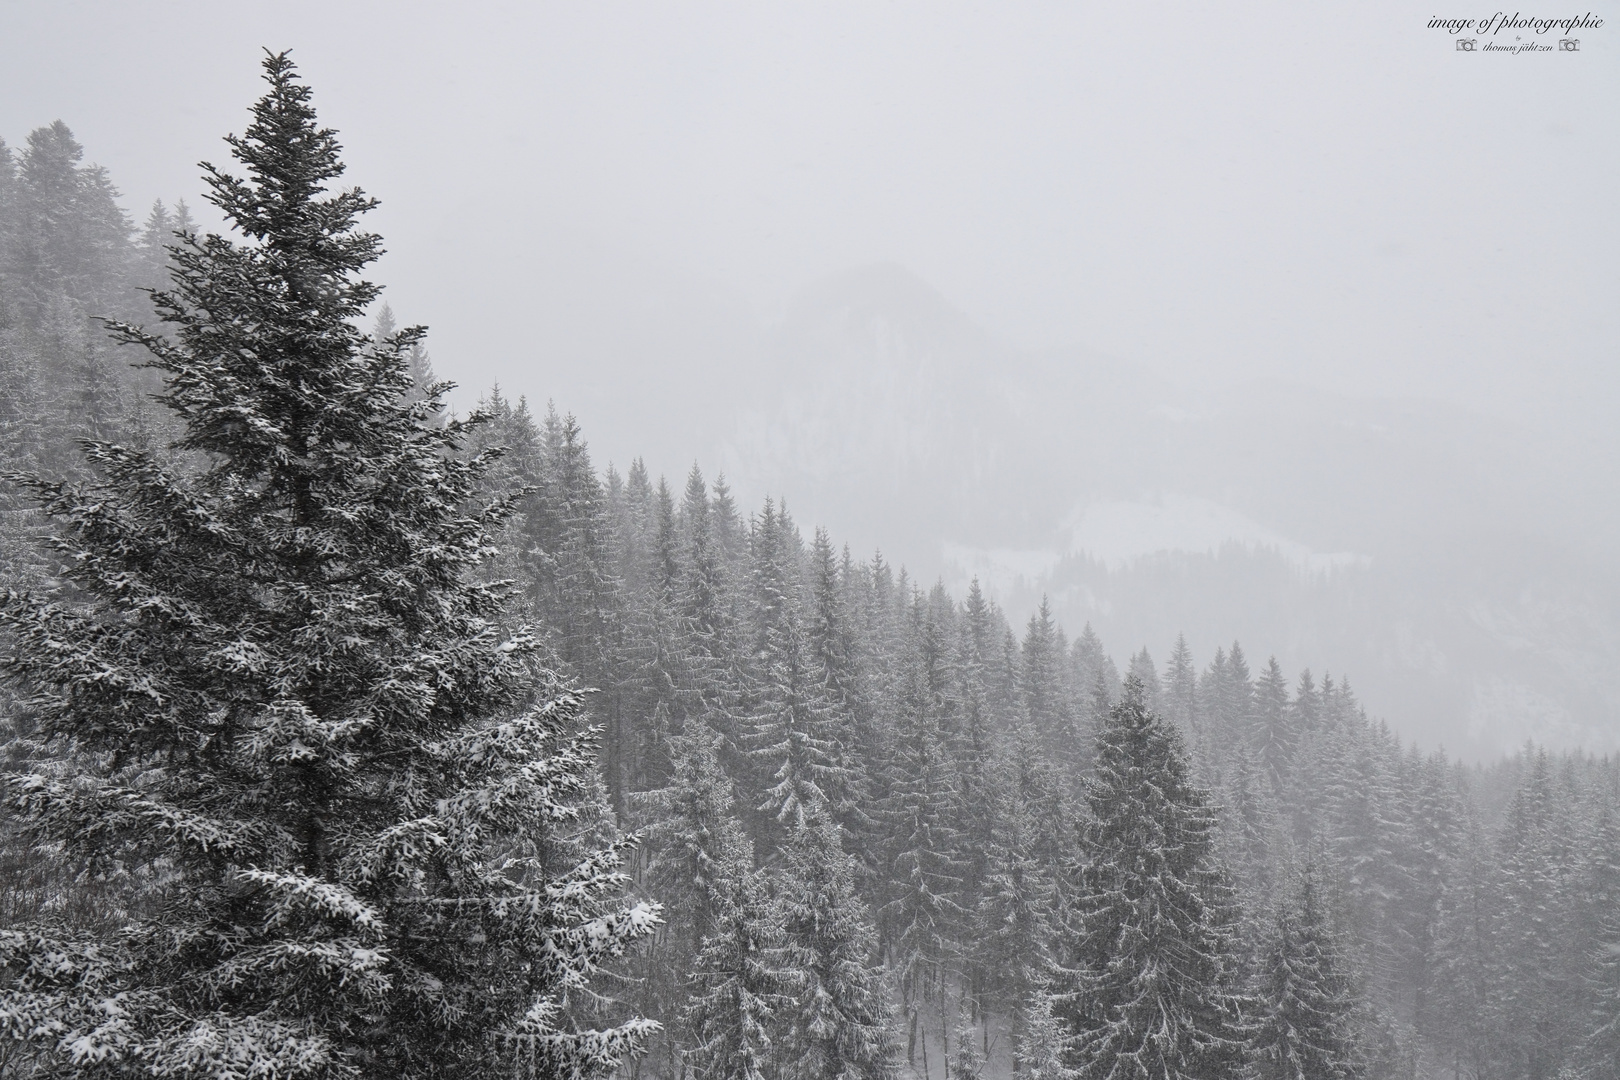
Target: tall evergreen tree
<point>838,1025</point>
<point>157,234</point>
<point>1018,910</point>
<point>1180,690</point>
<point>1043,1050</point>
<point>1272,731</point>
<point>1306,1029</point>
<point>366,822</point>
<point>922,913</point>
<point>700,590</point>
<point>71,239</point>
<point>1141,666</point>
<point>793,731</point>
<point>1538,966</point>
<point>1152,987</point>
<point>698,856</point>
<point>741,981</point>
<point>1045,703</point>
<point>1598,1055</point>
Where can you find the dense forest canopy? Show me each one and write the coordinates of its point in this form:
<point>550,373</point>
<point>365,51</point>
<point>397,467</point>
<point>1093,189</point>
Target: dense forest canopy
<point>891,829</point>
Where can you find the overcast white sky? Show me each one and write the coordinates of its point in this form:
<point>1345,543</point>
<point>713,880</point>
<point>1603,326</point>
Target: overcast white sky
<point>1327,193</point>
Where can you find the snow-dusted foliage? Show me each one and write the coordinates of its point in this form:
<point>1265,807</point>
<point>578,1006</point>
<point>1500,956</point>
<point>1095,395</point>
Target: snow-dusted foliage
<point>1152,986</point>
<point>355,824</point>
<point>740,982</point>
<point>794,729</point>
<point>1306,1028</point>
<point>837,1026</point>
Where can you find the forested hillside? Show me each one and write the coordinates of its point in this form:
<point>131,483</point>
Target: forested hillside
<point>893,829</point>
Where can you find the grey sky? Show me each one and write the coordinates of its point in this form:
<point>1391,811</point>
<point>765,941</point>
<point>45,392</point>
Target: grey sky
<point>1323,193</point>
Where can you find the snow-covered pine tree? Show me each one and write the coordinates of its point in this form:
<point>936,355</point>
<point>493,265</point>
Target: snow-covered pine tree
<point>701,597</point>
<point>1533,946</point>
<point>728,527</point>
<point>152,249</point>
<point>740,981</point>
<point>1307,707</point>
<point>795,729</point>
<point>1045,703</point>
<point>1181,690</point>
<point>698,853</point>
<point>838,1025</point>
<point>275,694</point>
<point>1598,1055</point>
<point>1437,838</point>
<point>1017,910</point>
<point>586,602</point>
<point>70,239</point>
<point>827,624</point>
<point>1272,734</point>
<point>1141,666</point>
<point>1468,971</point>
<point>665,542</point>
<point>828,631</point>
<point>417,360</point>
<point>1306,1028</point>
<point>8,203</point>
<point>1248,834</point>
<point>696,842</point>
<point>1149,971</point>
<point>971,749</point>
<point>1046,1044</point>
<point>921,916</point>
<point>793,732</point>
<point>1236,707</point>
<point>509,425</point>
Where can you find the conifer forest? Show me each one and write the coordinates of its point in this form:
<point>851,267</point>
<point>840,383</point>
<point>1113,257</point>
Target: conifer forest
<point>348,734</point>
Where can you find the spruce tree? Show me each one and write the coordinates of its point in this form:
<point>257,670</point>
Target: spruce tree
<point>838,1025</point>
<point>1142,667</point>
<point>740,982</point>
<point>1248,827</point>
<point>1045,703</point>
<point>1013,927</point>
<point>1151,986</point>
<point>793,730</point>
<point>922,915</point>
<point>1045,1044</point>
<point>1272,734</point>
<point>274,694</point>
<point>156,236</point>
<point>829,634</point>
<point>1306,1028</point>
<point>1096,683</point>
<point>1598,1055</point>
<point>698,855</point>
<point>71,239</point>
<point>1533,943</point>
<point>971,749</point>
<point>1180,690</point>
<point>700,594</point>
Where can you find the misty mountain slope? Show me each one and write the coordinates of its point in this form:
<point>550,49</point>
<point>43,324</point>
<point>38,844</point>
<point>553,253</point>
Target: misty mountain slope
<point>1428,551</point>
<point>883,410</point>
<point>876,391</point>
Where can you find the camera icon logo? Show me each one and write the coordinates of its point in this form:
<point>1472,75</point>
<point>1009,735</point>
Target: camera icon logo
<point>1466,44</point>
<point>1569,44</point>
